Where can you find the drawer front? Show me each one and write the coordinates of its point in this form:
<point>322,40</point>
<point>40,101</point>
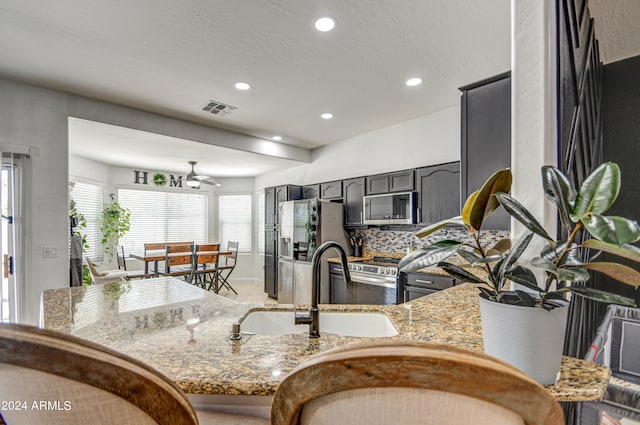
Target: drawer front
<point>430,281</point>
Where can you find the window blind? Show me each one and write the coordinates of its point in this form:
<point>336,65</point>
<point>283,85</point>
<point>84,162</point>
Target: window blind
<point>89,202</point>
<point>260,219</point>
<point>234,212</point>
<point>164,217</point>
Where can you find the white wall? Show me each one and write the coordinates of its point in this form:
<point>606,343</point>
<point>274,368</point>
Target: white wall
<point>37,117</point>
<point>426,140</point>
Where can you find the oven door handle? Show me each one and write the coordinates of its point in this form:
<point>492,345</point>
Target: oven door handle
<point>365,280</point>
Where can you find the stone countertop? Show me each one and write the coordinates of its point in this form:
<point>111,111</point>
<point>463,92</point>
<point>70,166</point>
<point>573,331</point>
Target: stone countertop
<point>147,320</point>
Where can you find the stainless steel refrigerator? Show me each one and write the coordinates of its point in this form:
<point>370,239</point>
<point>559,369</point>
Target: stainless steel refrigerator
<point>303,226</point>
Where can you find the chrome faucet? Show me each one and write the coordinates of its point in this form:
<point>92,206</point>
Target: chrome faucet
<point>312,318</point>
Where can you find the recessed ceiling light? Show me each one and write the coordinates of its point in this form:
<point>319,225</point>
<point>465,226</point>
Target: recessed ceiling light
<point>412,82</point>
<point>276,138</point>
<point>326,116</point>
<point>241,85</point>
<point>324,24</point>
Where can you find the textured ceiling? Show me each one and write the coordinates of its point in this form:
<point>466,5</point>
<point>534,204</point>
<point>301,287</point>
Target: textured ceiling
<point>173,57</point>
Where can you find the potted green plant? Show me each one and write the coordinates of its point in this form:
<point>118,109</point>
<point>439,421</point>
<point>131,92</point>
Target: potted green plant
<point>115,224</point>
<point>525,327</point>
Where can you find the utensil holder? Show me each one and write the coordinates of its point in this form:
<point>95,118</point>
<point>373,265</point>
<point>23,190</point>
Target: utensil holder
<point>357,251</point>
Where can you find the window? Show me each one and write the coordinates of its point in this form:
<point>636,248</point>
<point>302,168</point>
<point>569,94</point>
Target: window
<point>89,202</point>
<point>235,221</point>
<point>164,217</point>
<point>260,219</point>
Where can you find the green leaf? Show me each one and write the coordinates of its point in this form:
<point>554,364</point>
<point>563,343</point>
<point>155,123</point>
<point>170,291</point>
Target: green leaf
<point>573,274</point>
<point>616,230</point>
<point>602,296</point>
<point>515,253</point>
<point>469,257</point>
<point>459,273</point>
<point>426,231</point>
<point>598,191</point>
<point>485,202</point>
<point>559,190</point>
<point>520,213</point>
<point>466,208</point>
<point>428,256</point>
<point>525,298</point>
<point>502,246</point>
<point>544,264</point>
<point>523,276</point>
<point>551,253</point>
<point>624,274</point>
<point>612,249</point>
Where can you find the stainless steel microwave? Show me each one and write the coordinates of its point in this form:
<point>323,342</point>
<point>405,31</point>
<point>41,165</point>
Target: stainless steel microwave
<point>389,208</point>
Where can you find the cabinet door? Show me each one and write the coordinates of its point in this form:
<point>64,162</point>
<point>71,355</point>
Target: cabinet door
<point>331,190</point>
<point>486,138</point>
<point>270,263</point>
<point>353,193</point>
<point>270,218</point>
<point>402,181</point>
<point>377,184</point>
<point>311,191</point>
<point>288,193</point>
<point>438,189</point>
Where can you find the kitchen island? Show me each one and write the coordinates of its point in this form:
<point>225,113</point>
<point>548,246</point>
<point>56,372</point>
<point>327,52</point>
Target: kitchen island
<point>150,319</point>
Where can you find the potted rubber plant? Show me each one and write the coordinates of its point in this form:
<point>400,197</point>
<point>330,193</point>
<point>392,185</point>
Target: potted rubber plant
<point>525,326</point>
<point>115,224</point>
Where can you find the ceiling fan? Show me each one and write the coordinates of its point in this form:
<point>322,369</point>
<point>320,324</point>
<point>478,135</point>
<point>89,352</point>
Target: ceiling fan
<point>194,179</point>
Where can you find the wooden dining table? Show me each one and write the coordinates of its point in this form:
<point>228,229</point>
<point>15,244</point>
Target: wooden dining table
<point>157,255</point>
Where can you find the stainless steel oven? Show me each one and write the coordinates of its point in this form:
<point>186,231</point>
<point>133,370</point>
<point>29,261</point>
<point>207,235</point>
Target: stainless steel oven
<point>372,282</point>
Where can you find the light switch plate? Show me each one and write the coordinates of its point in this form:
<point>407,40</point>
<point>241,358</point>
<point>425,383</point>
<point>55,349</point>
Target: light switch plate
<point>50,252</point>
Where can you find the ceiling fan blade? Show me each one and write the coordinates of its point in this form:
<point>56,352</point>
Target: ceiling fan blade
<point>210,182</point>
<point>201,177</point>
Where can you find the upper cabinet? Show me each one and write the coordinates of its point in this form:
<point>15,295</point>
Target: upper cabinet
<point>486,138</point>
<point>353,193</point>
<point>438,197</point>
<point>311,191</point>
<point>331,190</point>
<point>270,217</point>
<point>400,181</point>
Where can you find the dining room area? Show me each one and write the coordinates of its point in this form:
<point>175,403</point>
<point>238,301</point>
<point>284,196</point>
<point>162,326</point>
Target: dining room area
<point>143,223</point>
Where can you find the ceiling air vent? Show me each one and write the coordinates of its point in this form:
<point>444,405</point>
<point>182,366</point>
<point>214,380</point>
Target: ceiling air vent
<point>218,108</point>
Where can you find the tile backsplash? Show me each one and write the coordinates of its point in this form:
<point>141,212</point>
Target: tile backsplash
<point>398,241</point>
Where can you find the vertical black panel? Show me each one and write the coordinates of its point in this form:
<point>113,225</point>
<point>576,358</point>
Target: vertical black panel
<point>580,113</point>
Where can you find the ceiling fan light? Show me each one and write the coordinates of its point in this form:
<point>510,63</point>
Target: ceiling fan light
<point>193,183</point>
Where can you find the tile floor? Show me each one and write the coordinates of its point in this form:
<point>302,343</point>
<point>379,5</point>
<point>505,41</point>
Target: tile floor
<point>248,293</point>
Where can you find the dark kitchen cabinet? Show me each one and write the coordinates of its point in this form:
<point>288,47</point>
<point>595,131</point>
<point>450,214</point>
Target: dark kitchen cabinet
<point>270,218</point>
<point>311,191</point>
<point>418,284</point>
<point>486,137</point>
<point>270,262</point>
<point>353,192</point>
<point>287,192</point>
<point>400,181</point>
<point>438,188</point>
<point>377,184</point>
<point>272,197</point>
<point>331,190</point>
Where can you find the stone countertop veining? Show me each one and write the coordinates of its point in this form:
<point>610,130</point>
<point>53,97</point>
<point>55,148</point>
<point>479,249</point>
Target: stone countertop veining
<point>147,320</point>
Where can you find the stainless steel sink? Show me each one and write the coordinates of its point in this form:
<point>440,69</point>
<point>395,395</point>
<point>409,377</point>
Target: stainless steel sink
<point>357,324</point>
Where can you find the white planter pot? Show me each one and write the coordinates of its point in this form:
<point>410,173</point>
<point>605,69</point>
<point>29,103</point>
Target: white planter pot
<point>529,338</point>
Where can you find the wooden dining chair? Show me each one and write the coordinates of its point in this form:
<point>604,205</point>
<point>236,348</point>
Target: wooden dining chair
<point>227,268</point>
<point>178,261</point>
<point>122,265</point>
<point>65,380</point>
<point>410,382</point>
<point>204,270</point>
